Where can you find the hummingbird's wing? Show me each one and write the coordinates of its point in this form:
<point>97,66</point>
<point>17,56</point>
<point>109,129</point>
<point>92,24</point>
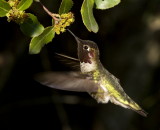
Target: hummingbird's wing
<point>70,61</point>
<point>70,81</point>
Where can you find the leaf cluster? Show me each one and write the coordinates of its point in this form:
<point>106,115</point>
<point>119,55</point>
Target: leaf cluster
<point>15,10</point>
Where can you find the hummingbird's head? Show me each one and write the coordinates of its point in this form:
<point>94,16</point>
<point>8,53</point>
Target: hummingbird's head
<point>88,51</point>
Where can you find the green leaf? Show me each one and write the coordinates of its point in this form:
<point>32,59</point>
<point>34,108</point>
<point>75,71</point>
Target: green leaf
<point>87,15</point>
<point>66,6</point>
<point>38,42</point>
<point>37,0</point>
<point>4,8</point>
<point>105,4</point>
<point>31,26</point>
<point>24,4</point>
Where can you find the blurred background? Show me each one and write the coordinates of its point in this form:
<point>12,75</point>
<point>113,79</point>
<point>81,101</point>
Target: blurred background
<point>129,43</point>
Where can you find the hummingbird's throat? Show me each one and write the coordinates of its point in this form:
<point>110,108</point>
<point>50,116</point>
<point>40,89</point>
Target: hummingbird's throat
<point>87,57</point>
<point>87,67</point>
<point>91,54</point>
<point>87,61</point>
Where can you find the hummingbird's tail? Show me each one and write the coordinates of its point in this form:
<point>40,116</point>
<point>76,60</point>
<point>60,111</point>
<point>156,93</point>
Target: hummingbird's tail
<point>135,107</point>
<point>141,112</point>
<point>130,104</point>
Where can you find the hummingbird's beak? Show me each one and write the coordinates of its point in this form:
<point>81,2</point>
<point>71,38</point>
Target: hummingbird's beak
<point>77,39</point>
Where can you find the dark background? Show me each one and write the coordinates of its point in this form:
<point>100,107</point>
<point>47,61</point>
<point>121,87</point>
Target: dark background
<point>129,43</point>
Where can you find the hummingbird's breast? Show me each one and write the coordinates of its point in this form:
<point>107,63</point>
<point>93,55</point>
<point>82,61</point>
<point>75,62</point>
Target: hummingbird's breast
<point>102,94</point>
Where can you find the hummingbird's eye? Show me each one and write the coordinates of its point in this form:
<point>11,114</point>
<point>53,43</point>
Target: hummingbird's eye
<point>86,47</point>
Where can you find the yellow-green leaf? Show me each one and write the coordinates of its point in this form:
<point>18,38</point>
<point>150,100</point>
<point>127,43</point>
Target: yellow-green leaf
<point>105,4</point>
<point>66,6</point>
<point>87,15</point>
<point>38,42</point>
<point>24,4</point>
<point>31,26</point>
<point>4,8</point>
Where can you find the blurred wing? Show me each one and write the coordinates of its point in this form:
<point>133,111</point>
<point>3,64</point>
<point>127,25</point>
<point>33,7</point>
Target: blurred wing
<point>70,81</point>
<point>70,61</point>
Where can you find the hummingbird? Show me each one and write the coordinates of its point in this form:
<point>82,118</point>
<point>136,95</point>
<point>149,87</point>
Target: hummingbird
<point>91,77</point>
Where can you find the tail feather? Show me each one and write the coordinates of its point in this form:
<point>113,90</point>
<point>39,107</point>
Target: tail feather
<point>137,109</point>
<point>141,112</point>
